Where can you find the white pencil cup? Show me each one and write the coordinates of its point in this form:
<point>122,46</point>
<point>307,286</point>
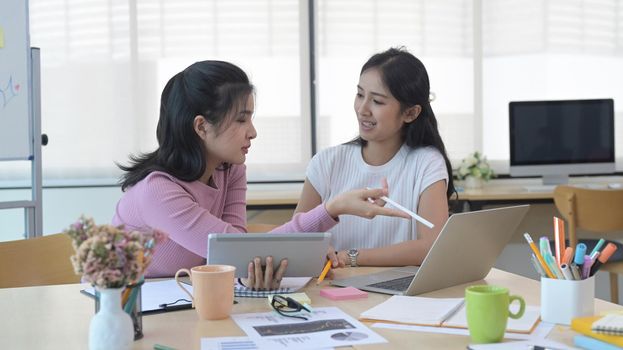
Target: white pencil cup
<point>564,300</point>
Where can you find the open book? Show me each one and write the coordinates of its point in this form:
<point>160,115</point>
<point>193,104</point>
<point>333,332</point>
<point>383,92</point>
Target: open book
<point>439,312</point>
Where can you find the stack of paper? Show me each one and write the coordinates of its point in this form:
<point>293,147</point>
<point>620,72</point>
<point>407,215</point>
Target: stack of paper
<point>439,312</point>
<point>414,310</point>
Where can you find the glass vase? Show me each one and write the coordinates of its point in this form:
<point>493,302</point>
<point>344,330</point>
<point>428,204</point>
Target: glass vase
<point>111,327</point>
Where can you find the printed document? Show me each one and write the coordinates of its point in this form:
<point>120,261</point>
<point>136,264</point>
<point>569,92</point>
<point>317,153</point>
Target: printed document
<point>326,327</point>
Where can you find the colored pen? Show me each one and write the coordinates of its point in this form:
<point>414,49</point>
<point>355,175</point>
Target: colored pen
<point>176,307</point>
<point>538,255</point>
<point>162,347</point>
<point>575,270</point>
<point>324,272</point>
<point>586,267</point>
<point>551,263</point>
<point>598,246</point>
<point>566,271</point>
<point>545,247</point>
<point>603,257</point>
<point>567,257</point>
<point>413,215</point>
<point>559,238</point>
<point>580,251</point>
<point>537,266</point>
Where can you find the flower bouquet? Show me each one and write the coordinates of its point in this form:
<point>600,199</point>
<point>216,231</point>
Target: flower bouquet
<point>474,169</point>
<point>113,260</point>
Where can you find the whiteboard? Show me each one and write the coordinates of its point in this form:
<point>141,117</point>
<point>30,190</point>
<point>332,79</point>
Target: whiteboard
<point>15,115</point>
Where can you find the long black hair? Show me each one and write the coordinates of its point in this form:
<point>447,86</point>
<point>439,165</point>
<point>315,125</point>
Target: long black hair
<point>407,80</point>
<point>211,89</point>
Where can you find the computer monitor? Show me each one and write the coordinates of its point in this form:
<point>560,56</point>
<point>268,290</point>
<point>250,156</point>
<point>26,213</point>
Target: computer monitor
<point>555,139</point>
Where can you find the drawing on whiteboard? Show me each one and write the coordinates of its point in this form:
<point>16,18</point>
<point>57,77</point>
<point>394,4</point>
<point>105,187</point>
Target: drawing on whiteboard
<point>9,91</point>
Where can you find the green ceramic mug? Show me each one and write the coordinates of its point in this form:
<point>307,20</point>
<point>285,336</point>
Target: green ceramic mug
<point>487,310</point>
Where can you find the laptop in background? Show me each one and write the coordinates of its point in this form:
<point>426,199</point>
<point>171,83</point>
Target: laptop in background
<point>465,250</point>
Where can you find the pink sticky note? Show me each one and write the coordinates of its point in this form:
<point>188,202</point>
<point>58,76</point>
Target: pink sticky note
<point>343,293</point>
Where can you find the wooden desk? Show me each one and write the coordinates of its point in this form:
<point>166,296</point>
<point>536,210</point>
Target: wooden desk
<point>57,317</point>
<point>273,196</point>
<point>509,191</point>
<point>496,191</point>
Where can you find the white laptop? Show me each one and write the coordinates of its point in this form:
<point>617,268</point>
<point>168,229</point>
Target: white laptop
<point>465,250</point>
<point>306,252</point>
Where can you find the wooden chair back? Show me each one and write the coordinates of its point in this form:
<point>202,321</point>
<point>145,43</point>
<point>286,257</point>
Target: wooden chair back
<point>37,261</point>
<point>594,210</point>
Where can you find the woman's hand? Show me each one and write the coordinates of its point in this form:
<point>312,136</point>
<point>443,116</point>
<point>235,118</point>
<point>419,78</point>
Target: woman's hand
<point>267,278</point>
<point>338,259</point>
<point>364,203</point>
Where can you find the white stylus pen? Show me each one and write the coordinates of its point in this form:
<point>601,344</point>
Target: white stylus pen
<point>413,215</point>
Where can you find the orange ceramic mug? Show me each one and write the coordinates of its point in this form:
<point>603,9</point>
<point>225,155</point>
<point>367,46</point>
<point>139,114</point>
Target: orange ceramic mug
<point>213,290</point>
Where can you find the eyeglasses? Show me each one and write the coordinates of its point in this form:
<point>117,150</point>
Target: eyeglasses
<point>285,306</point>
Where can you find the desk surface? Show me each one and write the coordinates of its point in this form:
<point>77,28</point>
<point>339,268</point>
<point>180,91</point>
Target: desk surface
<point>495,190</point>
<point>55,317</point>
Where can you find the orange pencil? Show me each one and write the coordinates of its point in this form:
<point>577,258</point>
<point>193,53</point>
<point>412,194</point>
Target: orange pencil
<point>324,272</point>
<point>559,239</point>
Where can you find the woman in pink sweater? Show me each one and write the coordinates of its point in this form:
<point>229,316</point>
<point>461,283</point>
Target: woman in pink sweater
<point>195,183</point>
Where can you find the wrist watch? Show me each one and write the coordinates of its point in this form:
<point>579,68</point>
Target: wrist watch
<point>352,254</point>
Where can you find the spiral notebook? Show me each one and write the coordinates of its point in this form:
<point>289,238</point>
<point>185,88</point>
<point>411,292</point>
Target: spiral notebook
<point>288,285</point>
<point>611,324</point>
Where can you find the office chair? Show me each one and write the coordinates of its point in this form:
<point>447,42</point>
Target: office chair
<point>37,261</point>
<point>595,210</point>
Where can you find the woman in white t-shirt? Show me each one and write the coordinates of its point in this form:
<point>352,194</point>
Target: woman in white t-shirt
<point>399,144</point>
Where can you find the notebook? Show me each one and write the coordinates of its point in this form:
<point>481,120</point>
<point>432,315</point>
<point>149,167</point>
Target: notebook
<point>288,285</point>
<point>439,312</point>
<point>471,241</point>
<point>584,325</point>
<point>610,324</point>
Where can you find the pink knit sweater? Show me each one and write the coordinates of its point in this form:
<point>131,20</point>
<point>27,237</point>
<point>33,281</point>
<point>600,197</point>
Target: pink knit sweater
<point>189,211</point>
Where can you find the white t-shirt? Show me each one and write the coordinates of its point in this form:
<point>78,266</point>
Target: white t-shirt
<point>341,168</point>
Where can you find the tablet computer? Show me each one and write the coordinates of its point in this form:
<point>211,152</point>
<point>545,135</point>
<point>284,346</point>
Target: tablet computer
<point>306,251</point>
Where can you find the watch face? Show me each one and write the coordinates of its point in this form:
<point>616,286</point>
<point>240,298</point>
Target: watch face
<point>353,252</point>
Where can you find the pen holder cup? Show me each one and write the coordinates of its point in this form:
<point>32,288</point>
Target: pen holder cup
<point>564,300</point>
<point>132,305</point>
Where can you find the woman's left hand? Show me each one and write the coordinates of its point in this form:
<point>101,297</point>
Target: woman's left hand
<point>265,279</point>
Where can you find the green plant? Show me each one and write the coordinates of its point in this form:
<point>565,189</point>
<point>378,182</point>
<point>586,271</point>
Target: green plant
<point>475,165</point>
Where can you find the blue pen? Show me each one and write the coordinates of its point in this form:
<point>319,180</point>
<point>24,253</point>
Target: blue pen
<point>598,246</point>
<point>580,251</point>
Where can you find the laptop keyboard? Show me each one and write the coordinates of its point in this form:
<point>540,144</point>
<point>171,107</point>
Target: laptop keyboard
<point>398,284</point>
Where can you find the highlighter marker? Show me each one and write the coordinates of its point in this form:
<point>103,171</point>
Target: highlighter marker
<point>586,267</point>
<point>551,263</point>
<point>538,255</point>
<point>544,246</point>
<point>598,246</point>
<point>568,256</point>
<point>603,257</point>
<point>580,251</point>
